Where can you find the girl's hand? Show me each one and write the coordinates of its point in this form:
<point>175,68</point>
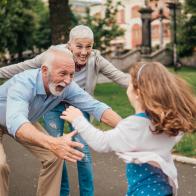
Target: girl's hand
<point>70,114</point>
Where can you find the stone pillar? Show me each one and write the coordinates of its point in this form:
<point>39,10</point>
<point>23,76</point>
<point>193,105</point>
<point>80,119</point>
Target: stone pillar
<point>161,36</point>
<point>146,29</point>
<point>174,7</point>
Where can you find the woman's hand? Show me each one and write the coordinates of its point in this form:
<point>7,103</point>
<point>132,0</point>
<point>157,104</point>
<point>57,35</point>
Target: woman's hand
<point>70,114</point>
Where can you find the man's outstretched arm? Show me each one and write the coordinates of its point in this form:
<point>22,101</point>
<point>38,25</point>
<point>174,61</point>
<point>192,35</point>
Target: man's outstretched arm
<point>79,98</point>
<point>110,117</point>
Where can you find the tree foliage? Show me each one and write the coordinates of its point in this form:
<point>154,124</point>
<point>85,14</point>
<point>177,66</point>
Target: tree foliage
<point>105,29</point>
<point>20,22</point>
<point>16,23</point>
<point>187,29</point>
<point>24,25</point>
<point>42,33</point>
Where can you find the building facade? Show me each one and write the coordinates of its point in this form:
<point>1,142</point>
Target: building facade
<point>129,18</point>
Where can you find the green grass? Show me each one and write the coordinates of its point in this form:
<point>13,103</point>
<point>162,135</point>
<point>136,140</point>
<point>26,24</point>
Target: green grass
<point>187,146</point>
<point>189,74</point>
<point>116,97</point>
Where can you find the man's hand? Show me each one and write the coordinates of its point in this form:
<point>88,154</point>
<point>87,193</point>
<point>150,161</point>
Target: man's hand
<point>64,148</point>
<point>70,114</point>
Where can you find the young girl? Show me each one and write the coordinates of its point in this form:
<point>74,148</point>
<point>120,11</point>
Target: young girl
<point>165,108</point>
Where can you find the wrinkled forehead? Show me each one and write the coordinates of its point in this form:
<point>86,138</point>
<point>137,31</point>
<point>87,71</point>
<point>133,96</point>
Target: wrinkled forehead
<point>82,41</point>
<point>63,62</point>
<point>64,68</point>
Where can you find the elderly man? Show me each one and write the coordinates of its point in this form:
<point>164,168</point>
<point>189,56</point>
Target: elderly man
<point>25,98</point>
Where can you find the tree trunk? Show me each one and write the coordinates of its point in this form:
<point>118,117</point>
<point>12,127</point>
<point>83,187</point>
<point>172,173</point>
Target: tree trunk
<point>60,20</point>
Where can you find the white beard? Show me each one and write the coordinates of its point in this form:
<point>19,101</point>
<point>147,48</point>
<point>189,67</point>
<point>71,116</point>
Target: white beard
<point>52,87</point>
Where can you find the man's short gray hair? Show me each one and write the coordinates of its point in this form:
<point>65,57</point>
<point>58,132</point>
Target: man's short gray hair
<point>80,32</point>
<point>50,55</point>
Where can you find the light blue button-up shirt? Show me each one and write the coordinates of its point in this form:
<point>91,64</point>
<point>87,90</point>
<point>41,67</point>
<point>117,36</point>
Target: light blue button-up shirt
<point>23,99</point>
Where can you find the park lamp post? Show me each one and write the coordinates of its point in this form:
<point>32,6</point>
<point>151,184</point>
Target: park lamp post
<point>173,6</point>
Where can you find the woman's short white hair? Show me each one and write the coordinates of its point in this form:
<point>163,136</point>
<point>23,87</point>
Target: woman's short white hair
<point>50,55</point>
<point>80,32</point>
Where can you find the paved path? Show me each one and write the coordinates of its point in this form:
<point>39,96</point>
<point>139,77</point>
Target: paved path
<point>108,171</point>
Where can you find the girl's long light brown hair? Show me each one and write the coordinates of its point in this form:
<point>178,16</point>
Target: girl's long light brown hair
<point>167,99</point>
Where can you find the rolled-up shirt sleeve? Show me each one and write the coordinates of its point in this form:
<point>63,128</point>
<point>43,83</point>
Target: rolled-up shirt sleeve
<point>85,102</point>
<point>17,107</point>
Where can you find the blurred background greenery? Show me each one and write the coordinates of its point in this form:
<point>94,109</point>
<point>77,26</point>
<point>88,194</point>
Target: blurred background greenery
<point>28,27</point>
